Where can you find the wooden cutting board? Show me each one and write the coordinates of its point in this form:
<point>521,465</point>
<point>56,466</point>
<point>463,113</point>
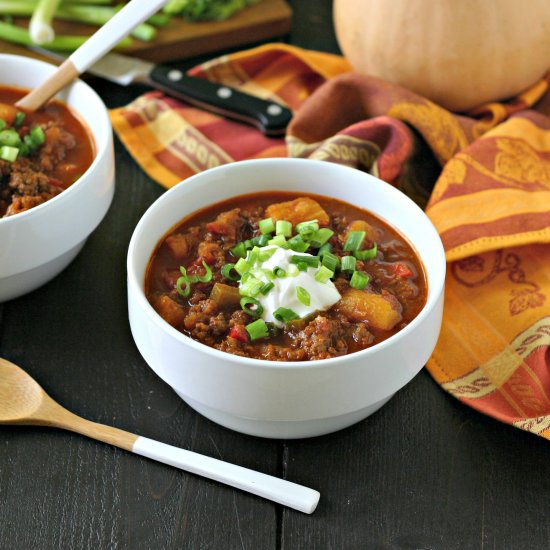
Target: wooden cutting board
<point>181,40</point>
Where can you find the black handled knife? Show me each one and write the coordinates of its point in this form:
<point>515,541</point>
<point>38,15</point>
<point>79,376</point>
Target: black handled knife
<point>270,117</point>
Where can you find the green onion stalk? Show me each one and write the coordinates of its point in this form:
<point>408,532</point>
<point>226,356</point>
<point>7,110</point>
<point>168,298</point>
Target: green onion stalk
<point>13,33</point>
<point>40,25</point>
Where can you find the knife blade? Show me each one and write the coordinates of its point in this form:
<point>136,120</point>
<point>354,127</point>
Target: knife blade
<point>270,117</point>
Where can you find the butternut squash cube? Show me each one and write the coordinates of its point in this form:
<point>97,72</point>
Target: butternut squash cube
<point>372,234</point>
<point>299,210</point>
<point>381,311</point>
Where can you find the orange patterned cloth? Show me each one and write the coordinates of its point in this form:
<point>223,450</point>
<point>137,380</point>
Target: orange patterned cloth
<point>490,204</point>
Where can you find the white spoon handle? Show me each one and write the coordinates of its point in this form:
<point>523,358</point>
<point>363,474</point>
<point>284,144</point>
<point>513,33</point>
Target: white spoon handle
<point>279,490</point>
<point>110,34</point>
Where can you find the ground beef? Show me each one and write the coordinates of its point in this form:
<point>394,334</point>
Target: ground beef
<point>322,338</point>
<point>26,182</point>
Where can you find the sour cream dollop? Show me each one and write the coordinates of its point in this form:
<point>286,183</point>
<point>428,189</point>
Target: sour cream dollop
<point>283,294</point>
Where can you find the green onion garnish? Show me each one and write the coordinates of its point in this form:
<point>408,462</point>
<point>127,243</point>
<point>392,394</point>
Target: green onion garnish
<point>359,280</point>
<point>369,254</point>
<point>303,295</point>
<point>307,228</point>
<point>311,261</point>
<point>302,266</point>
<point>279,272</point>
<point>354,241</point>
<point>2,124</point>
<point>9,137</point>
<point>8,153</point>
<point>278,240</point>
<point>38,135</point>
<point>284,228</point>
<point>298,244</point>
<point>260,240</point>
<point>183,280</point>
<point>257,329</point>
<point>239,250</point>
<point>285,315</point>
<point>266,226</point>
<point>324,274</point>
<point>266,288</point>
<point>19,118</point>
<point>242,266</point>
<point>251,287</point>
<point>207,277</point>
<point>327,247</point>
<point>292,270</point>
<point>330,261</point>
<point>264,255</point>
<point>348,264</point>
<point>251,306</point>
<point>320,237</point>
<point>229,272</point>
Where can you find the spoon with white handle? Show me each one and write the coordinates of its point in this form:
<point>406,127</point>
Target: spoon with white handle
<point>24,402</point>
<point>102,41</point>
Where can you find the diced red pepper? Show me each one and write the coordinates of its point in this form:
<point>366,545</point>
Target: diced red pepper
<point>239,333</point>
<point>402,270</point>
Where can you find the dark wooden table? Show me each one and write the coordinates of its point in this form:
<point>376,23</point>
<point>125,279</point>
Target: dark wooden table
<point>425,472</point>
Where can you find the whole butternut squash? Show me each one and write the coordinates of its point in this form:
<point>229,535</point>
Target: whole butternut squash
<point>458,53</point>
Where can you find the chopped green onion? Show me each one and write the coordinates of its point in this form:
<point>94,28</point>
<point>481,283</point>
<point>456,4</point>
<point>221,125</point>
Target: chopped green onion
<point>183,280</point>
<point>301,266</point>
<point>369,254</point>
<point>9,137</point>
<point>354,240</point>
<point>242,266</point>
<point>264,255</point>
<point>324,274</point>
<point>279,272</point>
<point>359,280</point>
<point>229,272</point>
<point>266,226</point>
<point>252,256</point>
<point>278,240</point>
<point>298,244</point>
<point>239,250</point>
<point>8,153</point>
<point>260,240</point>
<point>266,288</point>
<point>251,287</point>
<point>303,295</point>
<point>285,315</point>
<point>320,237</point>
<point>283,228</point>
<point>330,261</point>
<point>257,329</point>
<point>348,264</point>
<point>251,306</point>
<point>327,247</point>
<point>38,135</point>
<point>2,124</point>
<point>311,261</point>
<point>207,277</point>
<point>307,228</point>
<point>19,118</point>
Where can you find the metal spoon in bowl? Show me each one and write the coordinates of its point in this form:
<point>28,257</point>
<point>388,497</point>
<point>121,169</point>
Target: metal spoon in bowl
<point>102,41</point>
<point>24,402</point>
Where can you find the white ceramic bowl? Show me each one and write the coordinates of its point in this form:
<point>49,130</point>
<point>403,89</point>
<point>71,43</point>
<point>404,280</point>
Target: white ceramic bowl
<point>284,399</point>
<point>39,243</point>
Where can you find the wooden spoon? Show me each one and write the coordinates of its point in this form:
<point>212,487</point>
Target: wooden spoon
<point>103,40</point>
<point>23,401</point>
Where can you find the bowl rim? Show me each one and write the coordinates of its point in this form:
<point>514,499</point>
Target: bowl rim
<point>100,149</point>
<point>435,288</point>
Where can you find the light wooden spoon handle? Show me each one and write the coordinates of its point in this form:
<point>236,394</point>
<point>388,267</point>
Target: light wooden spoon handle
<point>272,488</point>
<point>102,41</point>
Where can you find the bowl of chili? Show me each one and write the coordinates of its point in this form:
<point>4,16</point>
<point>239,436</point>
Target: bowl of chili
<point>56,175</point>
<point>294,304</point>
